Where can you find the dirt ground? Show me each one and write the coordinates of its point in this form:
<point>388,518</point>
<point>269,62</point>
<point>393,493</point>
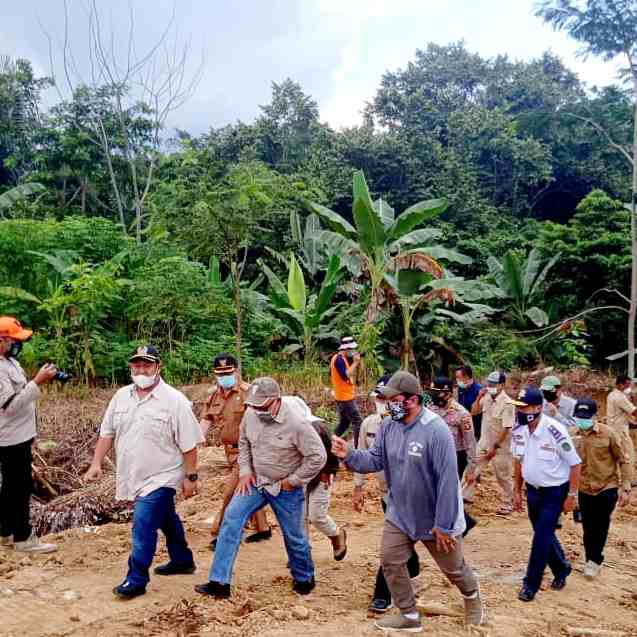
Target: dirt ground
<point>69,593</point>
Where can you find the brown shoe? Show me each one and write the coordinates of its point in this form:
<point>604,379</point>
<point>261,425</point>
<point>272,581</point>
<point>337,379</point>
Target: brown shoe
<point>339,544</point>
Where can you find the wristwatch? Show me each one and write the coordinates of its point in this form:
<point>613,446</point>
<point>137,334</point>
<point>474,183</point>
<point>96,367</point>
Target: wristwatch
<point>572,494</point>
<point>193,477</point>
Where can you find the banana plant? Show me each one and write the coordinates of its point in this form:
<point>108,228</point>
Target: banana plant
<point>11,197</point>
<point>306,313</point>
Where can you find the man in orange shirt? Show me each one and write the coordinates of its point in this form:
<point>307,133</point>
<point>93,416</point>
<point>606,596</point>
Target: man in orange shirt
<point>343,368</point>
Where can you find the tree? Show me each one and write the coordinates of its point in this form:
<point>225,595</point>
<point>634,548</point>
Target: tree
<point>608,29</point>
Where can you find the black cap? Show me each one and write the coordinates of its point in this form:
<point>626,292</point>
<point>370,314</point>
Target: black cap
<point>382,381</point>
<point>442,383</point>
<point>146,353</point>
<point>224,363</point>
<point>529,396</point>
<point>585,408</point>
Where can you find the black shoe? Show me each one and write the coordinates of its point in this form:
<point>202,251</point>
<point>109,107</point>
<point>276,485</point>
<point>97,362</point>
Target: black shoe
<point>214,589</point>
<point>526,595</point>
<point>380,605</point>
<point>213,544</point>
<point>259,536</point>
<point>560,582</point>
<point>304,588</point>
<point>126,591</point>
<point>175,569</point>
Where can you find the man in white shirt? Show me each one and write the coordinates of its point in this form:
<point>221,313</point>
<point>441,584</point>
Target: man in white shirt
<point>156,436</point>
<point>546,461</point>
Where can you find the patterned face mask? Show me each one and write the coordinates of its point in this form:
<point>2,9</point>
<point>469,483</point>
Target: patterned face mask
<point>397,410</point>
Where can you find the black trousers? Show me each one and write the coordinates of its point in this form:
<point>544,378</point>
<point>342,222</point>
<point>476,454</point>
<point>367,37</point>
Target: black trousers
<point>463,461</point>
<point>349,415</point>
<point>15,493</point>
<point>381,590</point>
<point>596,513</point>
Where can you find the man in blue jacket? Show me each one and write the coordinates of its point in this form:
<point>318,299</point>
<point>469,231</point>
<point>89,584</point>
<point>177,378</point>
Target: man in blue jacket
<point>415,449</point>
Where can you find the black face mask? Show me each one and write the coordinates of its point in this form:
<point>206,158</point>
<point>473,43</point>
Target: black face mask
<point>439,400</point>
<point>15,349</point>
<point>549,396</point>
<point>524,420</point>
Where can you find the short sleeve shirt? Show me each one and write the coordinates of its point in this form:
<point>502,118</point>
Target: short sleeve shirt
<point>619,410</point>
<point>225,410</point>
<point>366,440</point>
<point>151,435</point>
<point>498,414</point>
<point>547,454</point>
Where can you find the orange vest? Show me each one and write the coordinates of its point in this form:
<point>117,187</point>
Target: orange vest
<point>343,389</point>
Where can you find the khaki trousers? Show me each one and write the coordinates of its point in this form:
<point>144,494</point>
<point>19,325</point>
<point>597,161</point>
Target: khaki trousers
<point>397,548</point>
<point>503,469</point>
<point>259,520</point>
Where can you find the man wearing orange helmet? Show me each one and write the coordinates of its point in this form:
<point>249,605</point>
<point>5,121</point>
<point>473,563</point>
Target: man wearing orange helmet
<point>17,431</point>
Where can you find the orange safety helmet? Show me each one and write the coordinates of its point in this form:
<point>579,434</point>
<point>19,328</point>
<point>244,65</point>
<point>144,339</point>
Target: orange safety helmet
<point>11,327</point>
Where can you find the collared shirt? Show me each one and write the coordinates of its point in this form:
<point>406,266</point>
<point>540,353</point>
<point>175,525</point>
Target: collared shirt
<point>151,435</point>
<point>224,410</point>
<point>469,395</point>
<point>421,469</point>
<point>498,414</point>
<point>619,410</point>
<point>603,460</point>
<point>17,419</point>
<point>460,425</point>
<point>563,411</point>
<point>288,448</point>
<point>366,440</point>
<point>547,454</point>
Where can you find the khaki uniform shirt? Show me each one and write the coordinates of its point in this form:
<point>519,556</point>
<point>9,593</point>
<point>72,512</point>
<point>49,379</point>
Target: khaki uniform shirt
<point>366,439</point>
<point>460,424</point>
<point>288,448</point>
<point>17,419</point>
<point>604,460</point>
<point>619,411</point>
<point>224,411</point>
<point>151,436</point>
<point>497,414</point>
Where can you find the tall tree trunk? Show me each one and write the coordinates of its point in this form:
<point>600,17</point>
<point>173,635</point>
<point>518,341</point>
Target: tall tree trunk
<point>236,278</point>
<point>632,314</point>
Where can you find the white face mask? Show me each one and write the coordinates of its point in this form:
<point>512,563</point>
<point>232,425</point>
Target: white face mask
<point>628,391</point>
<point>381,407</point>
<point>493,391</point>
<point>142,381</point>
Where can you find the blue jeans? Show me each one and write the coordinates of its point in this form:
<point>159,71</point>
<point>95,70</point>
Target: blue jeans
<point>545,507</point>
<point>153,512</point>
<point>288,508</point>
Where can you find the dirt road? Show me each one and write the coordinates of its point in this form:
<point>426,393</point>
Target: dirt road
<point>69,593</point>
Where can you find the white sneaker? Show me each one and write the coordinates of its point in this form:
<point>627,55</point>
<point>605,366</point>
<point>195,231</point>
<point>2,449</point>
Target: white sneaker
<point>591,570</point>
<point>6,541</point>
<point>33,545</point>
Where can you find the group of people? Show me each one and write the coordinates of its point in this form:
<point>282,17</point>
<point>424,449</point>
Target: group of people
<point>426,447</point>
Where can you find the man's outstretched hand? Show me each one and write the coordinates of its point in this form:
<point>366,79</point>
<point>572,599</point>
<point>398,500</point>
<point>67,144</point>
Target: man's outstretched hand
<point>339,447</point>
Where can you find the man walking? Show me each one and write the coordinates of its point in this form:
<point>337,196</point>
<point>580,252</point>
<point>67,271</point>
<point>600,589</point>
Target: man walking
<point>279,453</point>
<point>468,392</point>
<point>415,450</point>
<point>343,368</point>
<point>224,411</point>
<point>556,403</point>
<point>17,432</point>
<point>547,463</point>
<point>498,416</point>
<point>621,413</point>
<point>155,435</point>
<point>605,480</point>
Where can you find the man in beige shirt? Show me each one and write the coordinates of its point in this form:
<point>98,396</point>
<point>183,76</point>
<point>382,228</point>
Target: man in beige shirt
<point>621,413</point>
<point>279,454</point>
<point>156,435</point>
<point>498,416</point>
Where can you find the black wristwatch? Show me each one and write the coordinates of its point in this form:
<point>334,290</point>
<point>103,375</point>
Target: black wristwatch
<point>193,477</point>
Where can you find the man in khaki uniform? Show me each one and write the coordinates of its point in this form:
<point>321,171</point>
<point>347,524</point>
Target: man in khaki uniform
<point>498,416</point>
<point>224,411</point>
<point>620,414</point>
<point>605,480</point>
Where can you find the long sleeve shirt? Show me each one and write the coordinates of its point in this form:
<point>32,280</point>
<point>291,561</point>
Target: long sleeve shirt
<point>420,466</point>
<point>17,404</point>
<point>288,448</point>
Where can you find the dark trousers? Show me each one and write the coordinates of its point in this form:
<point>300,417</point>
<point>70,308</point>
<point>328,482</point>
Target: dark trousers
<point>15,493</point>
<point>463,461</point>
<point>596,513</point>
<point>381,590</point>
<point>349,415</point>
<point>545,506</point>
<point>477,426</point>
<point>153,512</point>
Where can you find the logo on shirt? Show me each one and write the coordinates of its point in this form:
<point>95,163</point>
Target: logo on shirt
<point>415,449</point>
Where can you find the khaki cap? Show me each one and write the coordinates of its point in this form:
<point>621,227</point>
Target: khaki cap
<point>401,383</point>
<point>262,390</point>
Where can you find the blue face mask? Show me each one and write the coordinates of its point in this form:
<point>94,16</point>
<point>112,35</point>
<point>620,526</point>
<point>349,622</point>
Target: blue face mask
<point>584,423</point>
<point>461,385</point>
<point>226,382</point>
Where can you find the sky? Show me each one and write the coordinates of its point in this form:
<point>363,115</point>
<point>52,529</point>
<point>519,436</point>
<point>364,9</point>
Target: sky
<point>337,50</point>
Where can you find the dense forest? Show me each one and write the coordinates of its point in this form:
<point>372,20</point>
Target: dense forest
<point>477,214</point>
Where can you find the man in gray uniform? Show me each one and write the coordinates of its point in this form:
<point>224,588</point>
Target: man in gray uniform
<point>416,451</point>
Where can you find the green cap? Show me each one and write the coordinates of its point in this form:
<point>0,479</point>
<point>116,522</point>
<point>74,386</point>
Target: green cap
<point>550,383</point>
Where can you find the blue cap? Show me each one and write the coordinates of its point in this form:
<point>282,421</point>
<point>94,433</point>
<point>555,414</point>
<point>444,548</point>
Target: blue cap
<point>529,396</point>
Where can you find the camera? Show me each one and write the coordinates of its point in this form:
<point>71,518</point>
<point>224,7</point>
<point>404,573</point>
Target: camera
<point>62,377</point>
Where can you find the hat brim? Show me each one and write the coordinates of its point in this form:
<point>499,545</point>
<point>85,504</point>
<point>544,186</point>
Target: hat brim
<point>520,403</point>
<point>549,387</point>
<point>344,348</point>
<point>252,403</point>
<point>225,370</point>
<point>142,357</point>
<point>389,392</point>
<point>22,335</point>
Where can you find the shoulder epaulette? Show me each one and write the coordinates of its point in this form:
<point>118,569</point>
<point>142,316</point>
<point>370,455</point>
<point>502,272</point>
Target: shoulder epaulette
<point>556,433</point>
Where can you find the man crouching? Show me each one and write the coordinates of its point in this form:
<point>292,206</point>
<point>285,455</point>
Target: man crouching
<point>279,453</point>
<point>156,437</point>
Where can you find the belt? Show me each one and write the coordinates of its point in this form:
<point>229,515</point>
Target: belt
<point>557,486</point>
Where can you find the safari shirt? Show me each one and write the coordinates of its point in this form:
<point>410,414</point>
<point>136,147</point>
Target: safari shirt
<point>498,414</point>
<point>619,410</point>
<point>151,435</point>
<point>460,425</point>
<point>287,448</point>
<point>603,460</point>
<point>224,410</point>
<point>17,419</point>
<point>366,440</point>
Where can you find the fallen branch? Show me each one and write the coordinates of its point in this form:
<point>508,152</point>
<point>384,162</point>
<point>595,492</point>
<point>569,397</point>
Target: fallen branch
<point>43,481</point>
